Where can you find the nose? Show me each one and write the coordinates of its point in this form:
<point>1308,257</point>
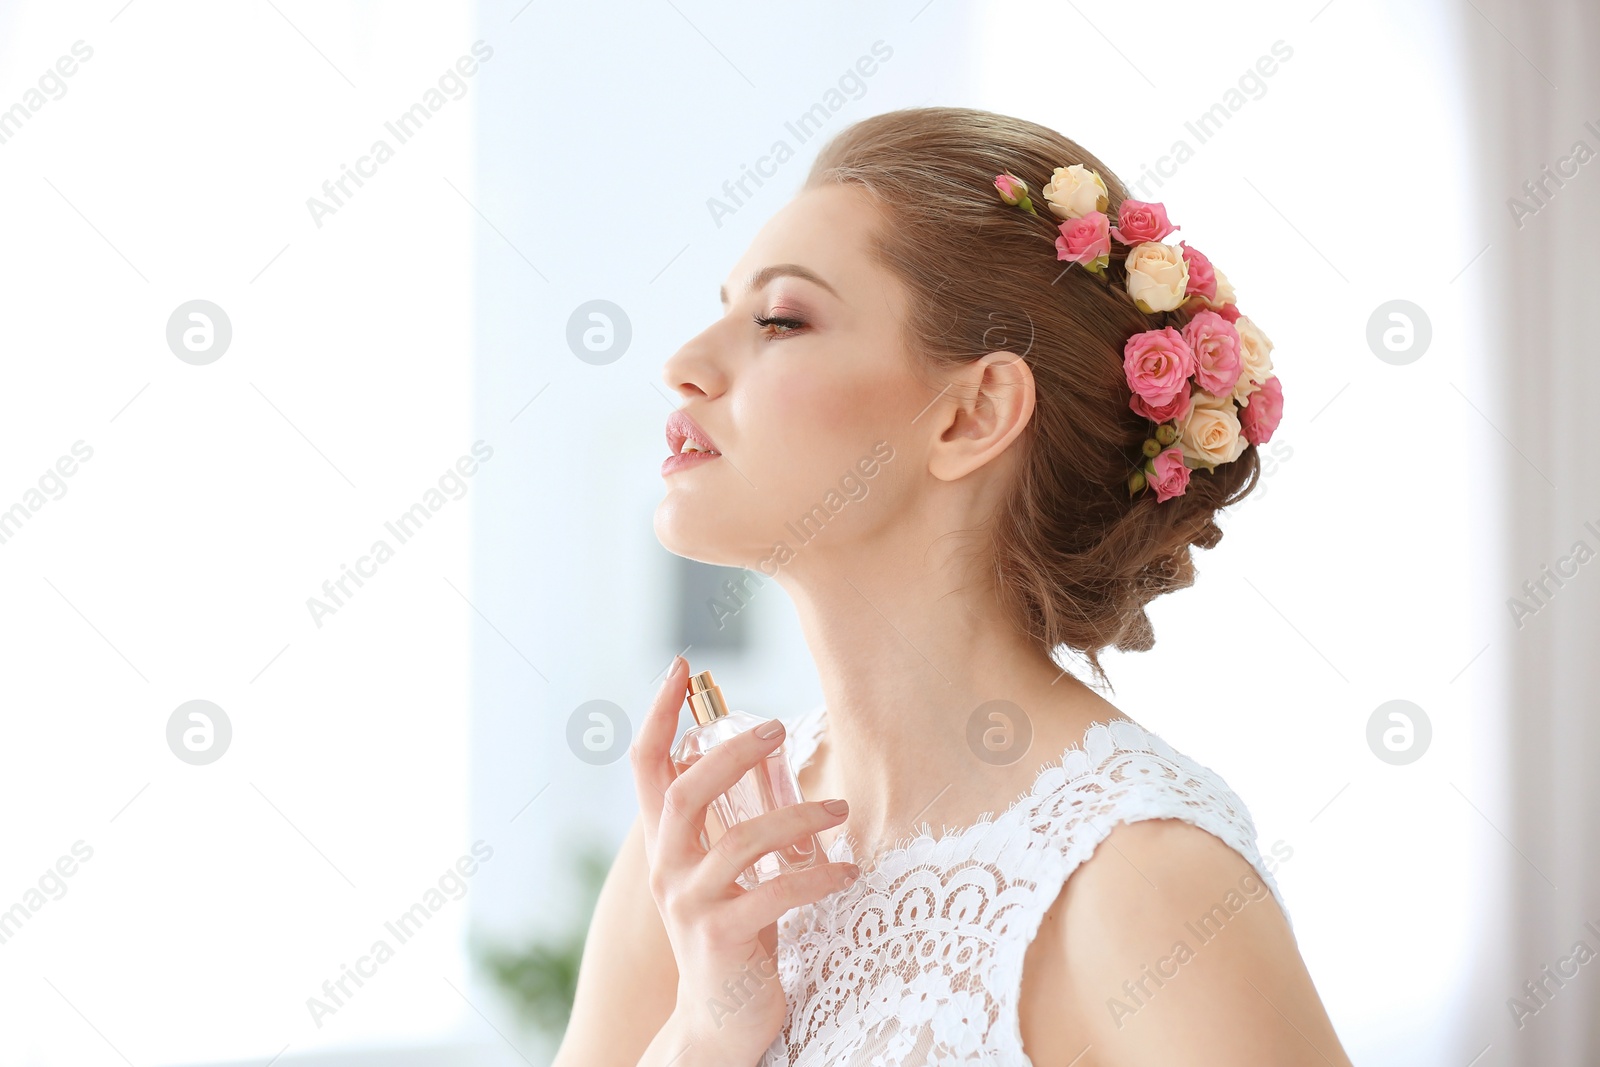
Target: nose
<point>696,370</point>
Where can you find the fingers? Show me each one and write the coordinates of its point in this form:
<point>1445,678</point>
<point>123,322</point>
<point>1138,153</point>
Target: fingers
<point>651,751</point>
<point>714,774</point>
<point>766,903</point>
<point>751,839</point>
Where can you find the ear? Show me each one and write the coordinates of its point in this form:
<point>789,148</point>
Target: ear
<point>987,403</point>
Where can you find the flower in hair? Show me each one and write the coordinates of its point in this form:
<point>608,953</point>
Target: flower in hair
<point>1260,418</point>
<point>1075,191</point>
<point>1176,408</point>
<point>1210,434</point>
<point>1202,276</point>
<point>1209,390</point>
<point>1224,294</point>
<point>1157,276</point>
<point>1256,349</point>
<point>1167,474</point>
<point>1215,344</point>
<point>1138,222</point>
<point>1014,191</point>
<point>1158,365</point>
<point>1086,240</point>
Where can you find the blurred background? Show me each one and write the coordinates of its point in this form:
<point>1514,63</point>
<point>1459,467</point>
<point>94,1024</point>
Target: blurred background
<point>332,417</point>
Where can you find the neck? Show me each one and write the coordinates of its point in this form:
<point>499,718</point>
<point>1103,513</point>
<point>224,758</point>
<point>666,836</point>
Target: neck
<point>909,647</point>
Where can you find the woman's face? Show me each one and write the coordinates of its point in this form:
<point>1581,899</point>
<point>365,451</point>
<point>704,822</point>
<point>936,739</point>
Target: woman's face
<point>810,414</point>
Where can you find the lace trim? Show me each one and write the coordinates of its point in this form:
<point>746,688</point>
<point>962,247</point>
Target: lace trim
<point>943,847</point>
<point>986,836</point>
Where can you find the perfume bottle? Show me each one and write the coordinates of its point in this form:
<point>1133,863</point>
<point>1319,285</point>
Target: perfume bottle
<point>768,785</point>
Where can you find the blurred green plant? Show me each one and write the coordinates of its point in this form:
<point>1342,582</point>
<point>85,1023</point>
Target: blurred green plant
<point>541,977</point>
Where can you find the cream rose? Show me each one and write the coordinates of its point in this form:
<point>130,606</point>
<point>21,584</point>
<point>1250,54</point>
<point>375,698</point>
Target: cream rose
<point>1255,354</point>
<point>1210,433</point>
<point>1158,275</point>
<point>1075,191</point>
<point>1224,295</point>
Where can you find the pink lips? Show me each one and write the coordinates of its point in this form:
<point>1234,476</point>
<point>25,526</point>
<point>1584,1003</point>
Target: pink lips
<point>681,428</point>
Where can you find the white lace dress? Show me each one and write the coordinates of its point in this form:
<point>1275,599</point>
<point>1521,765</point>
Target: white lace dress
<point>919,963</point>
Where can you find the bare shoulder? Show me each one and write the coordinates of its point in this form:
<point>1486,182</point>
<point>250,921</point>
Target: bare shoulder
<point>628,977</point>
<point>1166,940</point>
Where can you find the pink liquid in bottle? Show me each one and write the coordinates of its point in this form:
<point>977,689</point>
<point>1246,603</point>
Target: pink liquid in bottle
<point>768,785</point>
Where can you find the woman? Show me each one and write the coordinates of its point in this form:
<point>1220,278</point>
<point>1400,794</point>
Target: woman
<point>958,406</point>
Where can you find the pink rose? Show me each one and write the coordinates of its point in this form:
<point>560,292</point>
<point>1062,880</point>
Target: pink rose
<point>1011,187</point>
<point>1138,222</point>
<point>1202,278</point>
<point>1261,417</point>
<point>1215,345</point>
<point>1229,312</point>
<point>1086,240</point>
<point>1158,364</point>
<point>1171,477</point>
<point>1013,190</point>
<point>1176,409</point>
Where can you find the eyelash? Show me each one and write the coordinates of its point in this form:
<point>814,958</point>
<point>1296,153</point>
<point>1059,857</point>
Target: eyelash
<point>791,325</point>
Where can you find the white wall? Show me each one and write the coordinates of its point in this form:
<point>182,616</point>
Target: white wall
<point>217,500</point>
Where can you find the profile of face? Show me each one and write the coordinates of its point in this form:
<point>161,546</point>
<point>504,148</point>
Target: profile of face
<point>832,436</point>
<point>808,406</point>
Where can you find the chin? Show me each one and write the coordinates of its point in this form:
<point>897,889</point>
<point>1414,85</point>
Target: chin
<point>696,533</point>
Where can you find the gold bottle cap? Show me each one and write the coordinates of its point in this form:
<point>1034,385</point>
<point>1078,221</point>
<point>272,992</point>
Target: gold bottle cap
<point>705,698</point>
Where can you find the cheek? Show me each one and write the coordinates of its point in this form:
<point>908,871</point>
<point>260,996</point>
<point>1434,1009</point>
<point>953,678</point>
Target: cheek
<point>827,412</point>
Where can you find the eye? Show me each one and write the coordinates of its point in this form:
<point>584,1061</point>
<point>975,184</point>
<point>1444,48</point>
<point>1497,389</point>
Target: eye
<point>785,326</point>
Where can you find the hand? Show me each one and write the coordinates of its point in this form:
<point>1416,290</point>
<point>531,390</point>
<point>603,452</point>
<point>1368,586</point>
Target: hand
<point>724,937</point>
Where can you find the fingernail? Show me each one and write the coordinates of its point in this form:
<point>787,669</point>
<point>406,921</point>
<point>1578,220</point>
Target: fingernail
<point>672,669</point>
<point>852,872</point>
<point>769,729</point>
<point>837,807</point>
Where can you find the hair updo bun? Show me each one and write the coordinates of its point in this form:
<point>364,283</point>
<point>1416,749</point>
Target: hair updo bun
<point>1075,557</point>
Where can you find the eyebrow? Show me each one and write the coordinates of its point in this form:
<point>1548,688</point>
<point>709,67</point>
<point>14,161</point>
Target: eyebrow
<point>777,270</point>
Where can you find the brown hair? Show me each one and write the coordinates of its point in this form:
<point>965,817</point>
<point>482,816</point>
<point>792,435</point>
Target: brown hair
<point>1074,556</point>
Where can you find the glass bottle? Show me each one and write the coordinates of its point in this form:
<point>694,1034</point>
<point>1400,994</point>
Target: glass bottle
<point>768,785</point>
